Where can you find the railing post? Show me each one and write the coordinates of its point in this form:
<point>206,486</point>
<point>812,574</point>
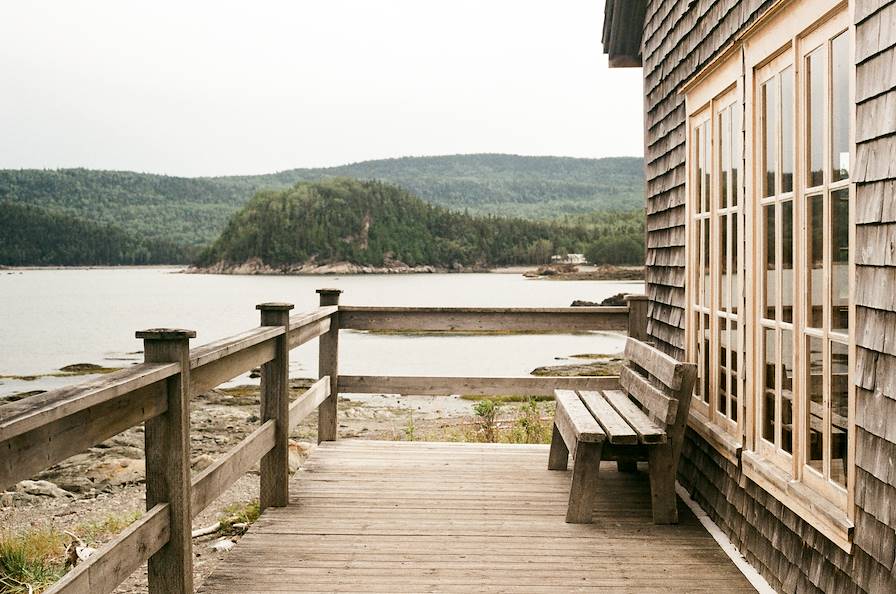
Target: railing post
<point>328,364</point>
<point>167,443</point>
<point>637,316</point>
<point>274,490</point>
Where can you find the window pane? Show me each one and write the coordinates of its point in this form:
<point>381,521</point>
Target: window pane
<point>815,261</point>
<point>815,117</point>
<point>725,151</point>
<point>735,265</point>
<point>737,139</point>
<point>698,177</point>
<point>840,260</point>
<point>787,272</point>
<point>723,262</point>
<point>707,349</point>
<point>768,408</point>
<point>769,139</point>
<point>707,167</point>
<point>706,268</point>
<point>839,412</point>
<point>787,129</point>
<point>733,353</point>
<point>770,277</point>
<point>840,107</point>
<point>814,383</point>
<point>787,391</point>
<point>698,354</point>
<point>722,403</point>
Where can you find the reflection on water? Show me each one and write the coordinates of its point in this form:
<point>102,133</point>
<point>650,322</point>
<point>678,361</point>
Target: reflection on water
<point>52,318</point>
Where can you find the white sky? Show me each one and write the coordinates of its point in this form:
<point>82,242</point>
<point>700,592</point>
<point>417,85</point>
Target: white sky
<point>208,88</point>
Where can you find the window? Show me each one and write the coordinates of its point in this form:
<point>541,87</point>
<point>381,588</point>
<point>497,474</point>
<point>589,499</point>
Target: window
<point>717,233</point>
<point>768,286</point>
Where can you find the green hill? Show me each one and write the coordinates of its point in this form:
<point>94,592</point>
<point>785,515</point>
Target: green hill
<point>193,211</point>
<point>31,236</point>
<point>370,223</point>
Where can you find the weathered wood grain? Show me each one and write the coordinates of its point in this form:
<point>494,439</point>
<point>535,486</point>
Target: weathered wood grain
<point>120,557</point>
<point>308,332</point>
<point>658,405</point>
<point>328,366</point>
<point>302,406</point>
<point>26,454</point>
<point>648,431</point>
<point>30,413</point>
<point>614,425</point>
<point>274,487</point>
<point>667,369</point>
<point>209,484</point>
<point>233,363</point>
<point>444,319</point>
<point>352,528</point>
<point>167,447</point>
<point>473,386</point>
<point>574,421</point>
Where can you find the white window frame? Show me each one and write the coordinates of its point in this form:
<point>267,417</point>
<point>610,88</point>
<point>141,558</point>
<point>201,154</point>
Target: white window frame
<point>781,34</point>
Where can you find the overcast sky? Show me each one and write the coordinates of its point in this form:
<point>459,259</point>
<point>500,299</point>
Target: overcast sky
<point>208,88</point>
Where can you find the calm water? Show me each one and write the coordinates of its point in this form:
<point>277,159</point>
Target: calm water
<point>52,318</point>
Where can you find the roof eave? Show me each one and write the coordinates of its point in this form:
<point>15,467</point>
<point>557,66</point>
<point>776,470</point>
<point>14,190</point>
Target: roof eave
<point>623,28</point>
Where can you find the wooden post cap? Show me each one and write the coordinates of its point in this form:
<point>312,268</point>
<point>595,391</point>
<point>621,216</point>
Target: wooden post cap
<point>166,334</point>
<point>329,291</point>
<point>275,306</point>
<point>634,297</point>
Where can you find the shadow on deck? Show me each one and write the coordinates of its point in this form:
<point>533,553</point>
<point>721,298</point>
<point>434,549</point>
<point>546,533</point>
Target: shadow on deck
<point>368,516</point>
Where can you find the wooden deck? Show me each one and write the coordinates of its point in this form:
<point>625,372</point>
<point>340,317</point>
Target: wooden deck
<point>368,516</point>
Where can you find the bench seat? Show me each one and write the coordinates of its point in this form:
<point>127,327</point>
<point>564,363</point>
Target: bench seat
<point>642,421</point>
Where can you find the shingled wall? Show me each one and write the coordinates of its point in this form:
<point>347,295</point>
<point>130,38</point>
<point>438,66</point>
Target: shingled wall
<point>680,37</point>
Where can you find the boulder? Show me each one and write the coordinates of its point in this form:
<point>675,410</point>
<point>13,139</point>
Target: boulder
<point>116,472</point>
<point>29,489</point>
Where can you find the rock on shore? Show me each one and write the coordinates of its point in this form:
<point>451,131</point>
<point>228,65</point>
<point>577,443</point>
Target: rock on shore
<point>256,266</point>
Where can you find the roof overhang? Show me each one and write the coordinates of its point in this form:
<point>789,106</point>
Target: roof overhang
<point>623,27</point>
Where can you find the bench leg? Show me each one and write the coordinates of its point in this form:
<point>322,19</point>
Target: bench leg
<point>583,491</point>
<point>558,457</point>
<point>626,466</point>
<point>662,484</point>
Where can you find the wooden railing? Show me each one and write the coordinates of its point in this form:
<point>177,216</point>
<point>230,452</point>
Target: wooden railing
<point>42,430</point>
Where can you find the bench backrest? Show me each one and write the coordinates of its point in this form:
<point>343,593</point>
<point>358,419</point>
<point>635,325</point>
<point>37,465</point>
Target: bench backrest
<point>662,385</point>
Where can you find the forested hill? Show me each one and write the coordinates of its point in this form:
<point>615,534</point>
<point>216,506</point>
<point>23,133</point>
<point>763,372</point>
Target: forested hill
<point>193,211</point>
<point>32,236</point>
<point>371,223</point>
<point>510,185</point>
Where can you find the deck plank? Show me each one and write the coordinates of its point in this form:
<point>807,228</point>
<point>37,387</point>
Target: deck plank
<point>369,516</point>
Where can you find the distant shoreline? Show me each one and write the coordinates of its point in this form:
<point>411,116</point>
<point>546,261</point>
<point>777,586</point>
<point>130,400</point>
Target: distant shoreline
<point>4,268</point>
<point>585,273</point>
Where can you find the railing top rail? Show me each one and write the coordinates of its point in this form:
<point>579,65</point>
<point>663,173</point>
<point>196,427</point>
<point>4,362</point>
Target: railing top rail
<point>596,309</point>
<point>302,319</point>
<point>30,413</point>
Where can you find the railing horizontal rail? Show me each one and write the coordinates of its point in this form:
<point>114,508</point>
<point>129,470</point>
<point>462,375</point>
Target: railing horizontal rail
<point>471,386</point>
<point>302,406</point>
<point>232,365</point>
<point>119,558</point>
<point>460,319</point>
<point>218,477</point>
<point>310,331</point>
<point>28,453</point>
<point>300,320</point>
<point>29,413</point>
<point>220,349</point>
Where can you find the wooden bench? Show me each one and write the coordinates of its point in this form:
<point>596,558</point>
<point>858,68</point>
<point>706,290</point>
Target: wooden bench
<point>644,421</point>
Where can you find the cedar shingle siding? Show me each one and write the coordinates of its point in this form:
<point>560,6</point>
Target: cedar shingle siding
<point>680,37</point>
